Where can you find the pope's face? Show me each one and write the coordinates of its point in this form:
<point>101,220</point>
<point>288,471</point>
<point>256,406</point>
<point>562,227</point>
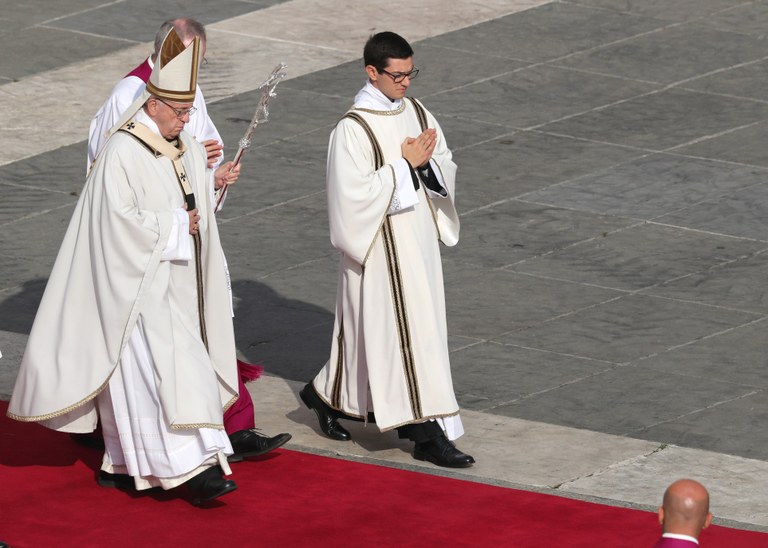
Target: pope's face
<point>166,115</point>
<point>386,83</point>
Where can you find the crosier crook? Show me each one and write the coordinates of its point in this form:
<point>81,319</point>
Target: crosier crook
<point>260,116</point>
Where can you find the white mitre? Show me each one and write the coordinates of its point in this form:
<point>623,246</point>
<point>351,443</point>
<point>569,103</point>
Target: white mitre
<point>173,78</point>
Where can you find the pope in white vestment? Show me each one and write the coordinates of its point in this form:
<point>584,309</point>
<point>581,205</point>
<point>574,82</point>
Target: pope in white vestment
<point>136,319</point>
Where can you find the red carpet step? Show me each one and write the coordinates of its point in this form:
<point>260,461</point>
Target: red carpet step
<point>49,498</point>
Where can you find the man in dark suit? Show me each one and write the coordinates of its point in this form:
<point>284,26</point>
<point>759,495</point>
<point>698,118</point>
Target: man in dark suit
<point>683,514</point>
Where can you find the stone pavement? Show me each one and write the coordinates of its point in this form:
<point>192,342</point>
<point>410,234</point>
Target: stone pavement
<point>606,307</point>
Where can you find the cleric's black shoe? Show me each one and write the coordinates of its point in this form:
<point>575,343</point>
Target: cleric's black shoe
<point>119,481</point>
<point>94,440</point>
<point>208,485</point>
<point>249,443</point>
<point>442,452</point>
<point>326,416</point>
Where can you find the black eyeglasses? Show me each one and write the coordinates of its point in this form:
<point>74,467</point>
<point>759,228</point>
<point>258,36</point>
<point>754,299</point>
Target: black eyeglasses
<point>180,112</point>
<point>400,76</point>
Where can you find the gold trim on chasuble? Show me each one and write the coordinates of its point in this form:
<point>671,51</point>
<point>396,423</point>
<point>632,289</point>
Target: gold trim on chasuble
<point>162,147</point>
<point>395,280</point>
<point>421,115</point>
<point>66,410</point>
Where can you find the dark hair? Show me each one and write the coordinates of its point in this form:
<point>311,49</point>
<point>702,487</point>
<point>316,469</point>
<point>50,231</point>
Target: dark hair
<point>382,47</point>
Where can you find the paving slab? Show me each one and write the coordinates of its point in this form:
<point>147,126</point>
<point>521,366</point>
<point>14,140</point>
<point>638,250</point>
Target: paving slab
<point>548,32</point>
<point>671,54</point>
<point>634,258</point>
<point>641,480</point>
<point>740,212</point>
<point>662,120</point>
<point>628,328</point>
<point>740,146</point>
<point>679,10</point>
<point>650,185</point>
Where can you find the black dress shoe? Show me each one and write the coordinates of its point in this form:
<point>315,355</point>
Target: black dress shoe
<point>249,443</point>
<point>119,481</point>
<point>208,485</point>
<point>94,440</point>
<point>442,452</point>
<point>327,417</point>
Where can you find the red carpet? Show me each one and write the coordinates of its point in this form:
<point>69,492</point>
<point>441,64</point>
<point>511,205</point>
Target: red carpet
<point>49,498</point>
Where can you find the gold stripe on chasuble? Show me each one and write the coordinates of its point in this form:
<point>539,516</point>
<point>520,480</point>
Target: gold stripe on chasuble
<point>336,389</point>
<point>420,114</point>
<point>398,299</point>
<point>401,318</point>
<point>174,151</point>
<point>181,178</point>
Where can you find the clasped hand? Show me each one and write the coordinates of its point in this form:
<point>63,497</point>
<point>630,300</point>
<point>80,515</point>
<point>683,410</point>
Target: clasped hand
<point>417,151</point>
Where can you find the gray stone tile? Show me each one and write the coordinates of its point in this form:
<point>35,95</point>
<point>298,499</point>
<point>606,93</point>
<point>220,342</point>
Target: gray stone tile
<point>739,284</point>
<point>61,47</point>
<point>650,186</point>
<point>293,112</point>
<point>435,75</point>
<point>742,213</point>
<point>547,32</point>
<point>513,231</point>
<point>662,120</point>
<point>679,10</point>
<point>488,375</point>
<point>342,81</point>
<point>274,174</point>
<point>639,256</point>
<point>18,307</point>
<point>24,14</point>
<point>28,250</point>
<point>461,133</point>
<point>60,171</point>
<point>139,19</point>
<point>267,234</point>
<point>19,202</point>
<point>671,54</point>
<point>741,81</point>
<point>735,427</point>
<point>738,356</point>
<point>12,346</point>
<point>526,161</point>
<point>485,304</point>
<point>533,96</point>
<point>628,328</point>
<point>622,400</point>
<point>744,17</point>
<point>744,146</point>
<point>289,337</point>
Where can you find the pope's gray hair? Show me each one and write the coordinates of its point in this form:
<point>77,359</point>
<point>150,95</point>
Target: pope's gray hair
<point>186,27</point>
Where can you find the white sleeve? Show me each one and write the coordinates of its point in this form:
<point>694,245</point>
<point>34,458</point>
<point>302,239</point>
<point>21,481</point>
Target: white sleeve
<point>405,195</point>
<point>123,95</point>
<point>178,247</point>
<point>200,125</point>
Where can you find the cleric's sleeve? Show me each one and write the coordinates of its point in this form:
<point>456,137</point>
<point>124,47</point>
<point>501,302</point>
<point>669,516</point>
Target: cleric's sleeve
<point>445,171</point>
<point>200,125</point>
<point>123,94</point>
<point>359,196</point>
